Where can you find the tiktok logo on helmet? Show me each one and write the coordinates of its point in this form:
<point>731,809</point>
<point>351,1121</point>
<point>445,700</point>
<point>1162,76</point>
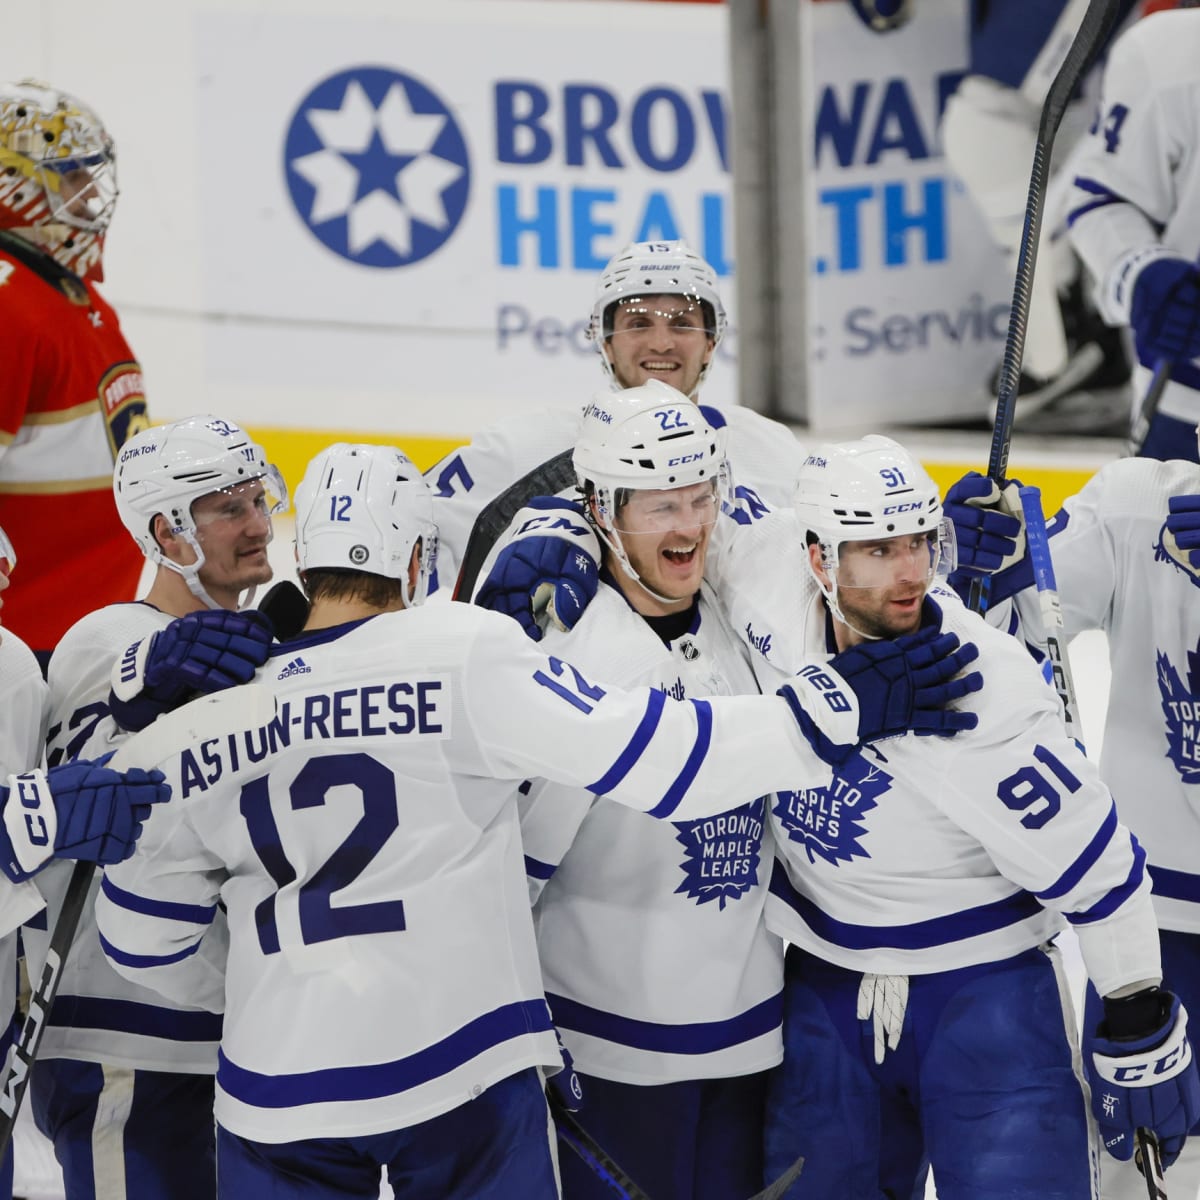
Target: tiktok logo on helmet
<point>377,167</point>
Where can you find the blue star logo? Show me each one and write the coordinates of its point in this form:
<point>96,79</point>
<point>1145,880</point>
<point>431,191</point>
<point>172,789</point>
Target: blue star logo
<point>377,167</point>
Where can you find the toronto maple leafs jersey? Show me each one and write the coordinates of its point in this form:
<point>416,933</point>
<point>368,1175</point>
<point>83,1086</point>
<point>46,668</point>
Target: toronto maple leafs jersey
<point>98,1016</point>
<point>1119,570</point>
<point>1137,186</point>
<point>764,454</point>
<point>928,854</point>
<point>655,958</point>
<point>382,966</point>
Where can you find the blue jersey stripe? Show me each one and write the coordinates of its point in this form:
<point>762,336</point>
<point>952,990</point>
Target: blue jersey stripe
<point>641,737</point>
<point>146,960</point>
<point>1175,885</point>
<point>130,1016</point>
<point>197,914</point>
<point>676,792</point>
<point>700,1037</point>
<point>919,935</point>
<point>538,869</point>
<point>340,1084</point>
<point>1111,901</point>
<point>1084,863</point>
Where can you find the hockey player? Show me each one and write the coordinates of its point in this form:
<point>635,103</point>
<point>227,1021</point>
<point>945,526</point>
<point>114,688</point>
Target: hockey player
<point>1126,555</point>
<point>1075,370</point>
<point>1135,215</point>
<point>79,810</point>
<point>71,391</point>
<point>366,848</point>
<point>925,1012</point>
<point>657,314</point>
<point>123,1085</point>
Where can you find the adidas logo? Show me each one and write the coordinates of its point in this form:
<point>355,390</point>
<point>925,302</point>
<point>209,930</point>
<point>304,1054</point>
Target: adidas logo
<point>296,667</point>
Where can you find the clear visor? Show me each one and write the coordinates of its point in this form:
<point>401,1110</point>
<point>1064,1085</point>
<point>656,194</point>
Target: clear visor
<point>260,498</point>
<point>82,191</point>
<point>661,511</point>
<point>916,558</point>
<point>8,556</point>
<point>678,316</point>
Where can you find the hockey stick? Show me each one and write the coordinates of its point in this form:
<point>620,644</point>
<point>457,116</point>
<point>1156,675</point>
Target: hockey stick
<point>1147,1156</point>
<point>1149,405</point>
<point>546,479</point>
<point>1149,1162</point>
<point>248,707</point>
<point>1092,30</point>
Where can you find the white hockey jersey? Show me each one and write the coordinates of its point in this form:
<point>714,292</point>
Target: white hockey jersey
<point>764,454</point>
<point>98,1016</point>
<point>655,958</point>
<point>22,740</point>
<point>1137,186</point>
<point>382,966</point>
<point>928,854</point>
<point>1119,570</point>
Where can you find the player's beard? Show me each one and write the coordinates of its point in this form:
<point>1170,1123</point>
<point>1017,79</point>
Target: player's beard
<point>867,612</point>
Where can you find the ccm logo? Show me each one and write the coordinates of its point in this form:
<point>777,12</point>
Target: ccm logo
<point>912,506</point>
<point>687,458</point>
<point>827,686</point>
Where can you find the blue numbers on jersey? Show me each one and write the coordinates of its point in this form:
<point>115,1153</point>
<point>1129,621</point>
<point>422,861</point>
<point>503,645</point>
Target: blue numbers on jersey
<point>1030,786</point>
<point>578,695</point>
<point>320,919</point>
<point>84,720</point>
<point>339,508</point>
<point>454,469</point>
<point>1111,125</point>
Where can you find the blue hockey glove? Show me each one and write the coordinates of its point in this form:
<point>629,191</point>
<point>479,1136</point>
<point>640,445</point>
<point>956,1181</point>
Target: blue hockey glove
<point>1143,1074</point>
<point>897,686</point>
<point>77,810</point>
<point>565,1085</point>
<point>1164,309</point>
<point>549,572</point>
<point>1183,524</point>
<point>882,16</point>
<point>989,531</point>
<point>205,651</point>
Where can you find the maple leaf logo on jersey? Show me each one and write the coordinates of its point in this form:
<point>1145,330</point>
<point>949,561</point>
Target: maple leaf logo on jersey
<point>722,854</point>
<point>1166,550</point>
<point>827,821</point>
<point>377,167</point>
<point>1181,709</point>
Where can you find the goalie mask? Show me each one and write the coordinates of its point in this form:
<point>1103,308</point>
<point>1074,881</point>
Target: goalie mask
<point>364,508</point>
<point>651,283</point>
<point>58,176</point>
<point>648,462</point>
<point>877,516</point>
<point>165,469</point>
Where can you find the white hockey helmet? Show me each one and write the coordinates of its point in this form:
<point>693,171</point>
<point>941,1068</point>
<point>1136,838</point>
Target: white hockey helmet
<point>655,269</point>
<point>871,489</point>
<point>58,174</point>
<point>166,468</point>
<point>364,508</point>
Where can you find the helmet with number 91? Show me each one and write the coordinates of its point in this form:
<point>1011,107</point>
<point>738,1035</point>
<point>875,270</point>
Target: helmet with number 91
<point>365,508</point>
<point>871,490</point>
<point>58,176</point>
<point>165,469</point>
<point>645,269</point>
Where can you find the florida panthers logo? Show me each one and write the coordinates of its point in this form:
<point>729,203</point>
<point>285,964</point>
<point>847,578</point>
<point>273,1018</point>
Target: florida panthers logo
<point>827,821</point>
<point>1181,711</point>
<point>722,854</point>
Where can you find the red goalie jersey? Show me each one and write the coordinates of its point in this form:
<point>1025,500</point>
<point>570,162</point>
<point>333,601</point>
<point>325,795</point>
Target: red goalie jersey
<point>71,392</point>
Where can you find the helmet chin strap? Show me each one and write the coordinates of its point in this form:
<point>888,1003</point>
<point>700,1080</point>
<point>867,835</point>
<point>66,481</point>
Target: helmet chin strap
<point>614,544</point>
<point>191,576</point>
<point>831,598</point>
